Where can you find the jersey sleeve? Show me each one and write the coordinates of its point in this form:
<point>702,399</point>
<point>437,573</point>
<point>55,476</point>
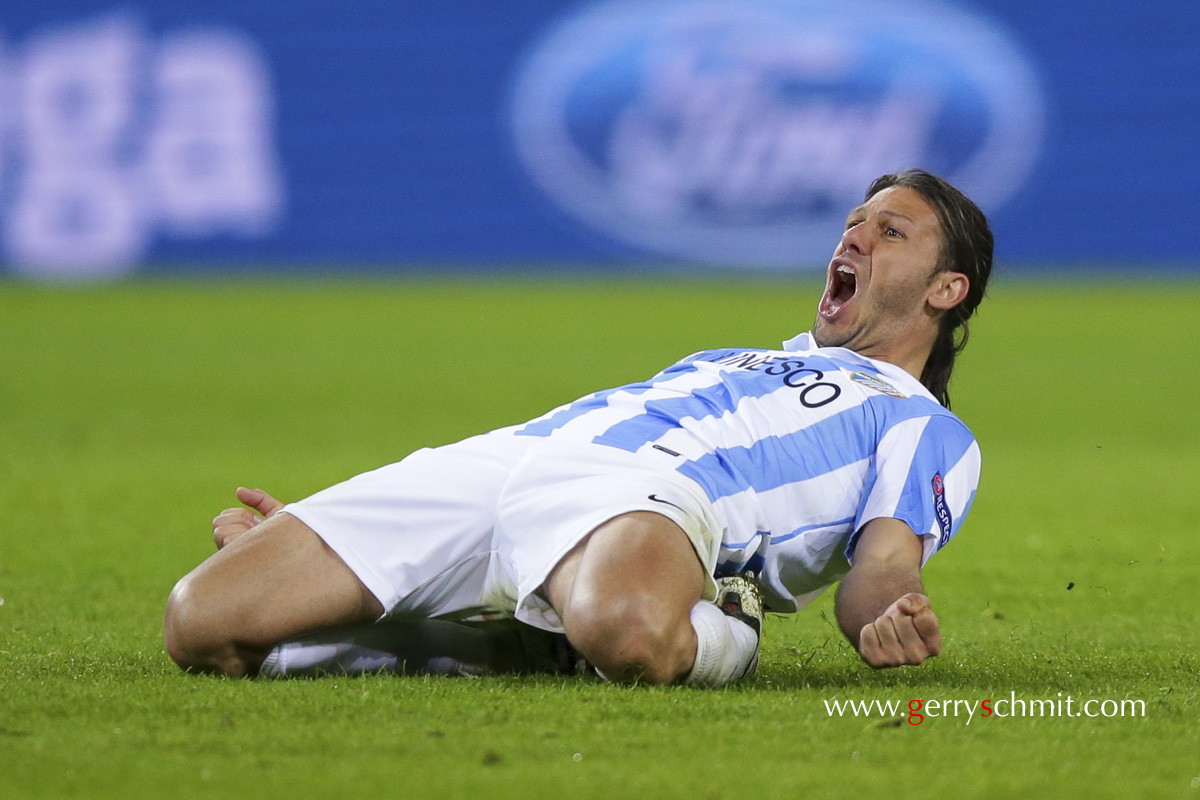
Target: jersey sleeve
<point>925,473</point>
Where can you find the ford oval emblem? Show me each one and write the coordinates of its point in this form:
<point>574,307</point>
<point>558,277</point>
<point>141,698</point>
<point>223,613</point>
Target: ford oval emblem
<point>742,132</point>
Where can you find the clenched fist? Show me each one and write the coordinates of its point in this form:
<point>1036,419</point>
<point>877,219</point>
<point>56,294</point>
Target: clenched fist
<point>906,633</point>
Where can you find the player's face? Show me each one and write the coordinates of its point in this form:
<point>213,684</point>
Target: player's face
<point>882,273</point>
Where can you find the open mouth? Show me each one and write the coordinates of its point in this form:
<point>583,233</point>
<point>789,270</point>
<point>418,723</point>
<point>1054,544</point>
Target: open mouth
<point>843,284</point>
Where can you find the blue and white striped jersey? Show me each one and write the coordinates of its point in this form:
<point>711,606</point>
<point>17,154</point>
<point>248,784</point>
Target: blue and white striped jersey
<point>797,449</point>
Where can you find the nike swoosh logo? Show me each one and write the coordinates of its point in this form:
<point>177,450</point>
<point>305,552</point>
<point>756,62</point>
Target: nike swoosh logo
<point>658,499</point>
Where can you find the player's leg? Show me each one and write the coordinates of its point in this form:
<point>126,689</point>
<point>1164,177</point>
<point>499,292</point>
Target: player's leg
<point>272,584</point>
<point>629,596</point>
<point>412,539</point>
<point>219,621</point>
<point>625,594</point>
<point>633,591</point>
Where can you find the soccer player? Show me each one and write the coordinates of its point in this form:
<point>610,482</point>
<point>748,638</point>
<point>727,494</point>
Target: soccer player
<point>642,521</point>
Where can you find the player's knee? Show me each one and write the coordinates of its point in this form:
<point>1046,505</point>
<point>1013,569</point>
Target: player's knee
<point>633,637</point>
<point>195,635</point>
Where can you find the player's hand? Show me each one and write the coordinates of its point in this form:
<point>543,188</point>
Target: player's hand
<point>233,522</point>
<point>907,633</point>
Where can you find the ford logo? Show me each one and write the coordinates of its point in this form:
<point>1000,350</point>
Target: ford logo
<point>741,132</point>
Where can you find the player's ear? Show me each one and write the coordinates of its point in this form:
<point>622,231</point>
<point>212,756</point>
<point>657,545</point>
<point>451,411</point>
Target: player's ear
<point>948,290</point>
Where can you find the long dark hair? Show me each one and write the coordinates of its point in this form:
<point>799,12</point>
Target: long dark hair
<point>967,244</point>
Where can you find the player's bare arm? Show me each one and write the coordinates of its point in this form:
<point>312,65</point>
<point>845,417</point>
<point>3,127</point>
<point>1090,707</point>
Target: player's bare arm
<point>881,604</point>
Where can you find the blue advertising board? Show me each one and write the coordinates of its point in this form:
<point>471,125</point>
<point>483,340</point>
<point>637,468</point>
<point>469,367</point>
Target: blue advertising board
<point>161,136</point>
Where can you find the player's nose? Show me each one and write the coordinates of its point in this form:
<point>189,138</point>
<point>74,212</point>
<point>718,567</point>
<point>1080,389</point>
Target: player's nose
<point>857,239</point>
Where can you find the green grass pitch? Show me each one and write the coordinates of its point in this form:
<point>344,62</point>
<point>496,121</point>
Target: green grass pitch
<point>129,413</point>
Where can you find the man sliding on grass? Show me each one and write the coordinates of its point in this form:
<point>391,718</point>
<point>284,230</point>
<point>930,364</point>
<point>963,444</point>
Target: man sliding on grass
<point>643,522</point>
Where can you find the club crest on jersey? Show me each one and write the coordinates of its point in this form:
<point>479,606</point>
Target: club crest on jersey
<point>941,510</point>
<point>876,383</point>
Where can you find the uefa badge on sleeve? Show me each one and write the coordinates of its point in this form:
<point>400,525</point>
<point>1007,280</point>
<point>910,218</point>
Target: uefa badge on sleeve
<point>941,510</point>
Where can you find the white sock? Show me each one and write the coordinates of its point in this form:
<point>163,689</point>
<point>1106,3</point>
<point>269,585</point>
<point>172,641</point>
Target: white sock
<point>726,647</point>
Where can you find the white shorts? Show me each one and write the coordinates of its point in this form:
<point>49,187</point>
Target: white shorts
<point>477,526</point>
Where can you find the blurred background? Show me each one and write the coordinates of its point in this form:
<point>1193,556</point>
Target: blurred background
<point>172,173</point>
<point>160,137</point>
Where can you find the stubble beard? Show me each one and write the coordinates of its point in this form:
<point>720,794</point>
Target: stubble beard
<point>878,324</point>
<point>824,337</point>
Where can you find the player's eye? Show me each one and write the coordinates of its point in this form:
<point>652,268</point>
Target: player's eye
<point>850,223</point>
<point>895,234</point>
